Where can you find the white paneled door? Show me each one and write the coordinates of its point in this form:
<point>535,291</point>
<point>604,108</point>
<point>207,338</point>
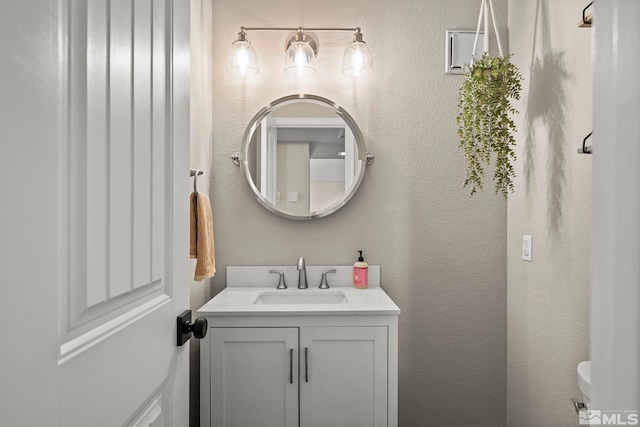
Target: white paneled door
<point>94,114</point>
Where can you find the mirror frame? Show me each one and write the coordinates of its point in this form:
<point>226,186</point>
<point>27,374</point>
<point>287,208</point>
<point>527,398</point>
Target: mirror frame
<point>264,112</point>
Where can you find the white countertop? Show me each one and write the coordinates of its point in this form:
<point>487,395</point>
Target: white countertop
<point>239,301</point>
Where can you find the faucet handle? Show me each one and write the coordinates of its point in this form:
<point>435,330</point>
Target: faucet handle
<point>323,283</point>
<point>281,283</point>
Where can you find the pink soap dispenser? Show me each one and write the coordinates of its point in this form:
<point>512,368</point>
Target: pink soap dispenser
<point>360,273</point>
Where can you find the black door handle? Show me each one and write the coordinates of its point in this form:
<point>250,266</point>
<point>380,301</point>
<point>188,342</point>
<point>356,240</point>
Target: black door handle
<point>185,327</point>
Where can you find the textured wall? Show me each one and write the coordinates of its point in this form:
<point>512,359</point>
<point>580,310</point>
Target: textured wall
<point>548,303</point>
<point>443,255</point>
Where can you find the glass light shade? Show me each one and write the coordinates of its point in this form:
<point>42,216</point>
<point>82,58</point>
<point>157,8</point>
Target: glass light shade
<point>300,59</point>
<point>242,59</point>
<point>357,60</point>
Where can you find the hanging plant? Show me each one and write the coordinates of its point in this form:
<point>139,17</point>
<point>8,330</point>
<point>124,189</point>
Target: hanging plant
<point>484,123</point>
<point>484,119</point>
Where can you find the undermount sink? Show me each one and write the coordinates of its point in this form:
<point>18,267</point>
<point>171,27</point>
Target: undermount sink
<point>301,297</point>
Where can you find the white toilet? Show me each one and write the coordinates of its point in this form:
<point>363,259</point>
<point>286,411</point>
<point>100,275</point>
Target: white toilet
<point>584,380</point>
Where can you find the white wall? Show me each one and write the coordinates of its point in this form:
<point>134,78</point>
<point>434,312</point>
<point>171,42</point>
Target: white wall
<point>548,299</point>
<point>326,185</point>
<point>293,177</point>
<point>442,253</point>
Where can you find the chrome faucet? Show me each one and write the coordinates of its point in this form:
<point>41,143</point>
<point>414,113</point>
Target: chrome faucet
<point>302,274</point>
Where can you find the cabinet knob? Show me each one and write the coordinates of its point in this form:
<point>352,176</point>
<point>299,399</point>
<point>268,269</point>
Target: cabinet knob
<point>185,328</point>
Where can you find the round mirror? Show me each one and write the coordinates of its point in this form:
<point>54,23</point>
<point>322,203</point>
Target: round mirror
<point>303,156</point>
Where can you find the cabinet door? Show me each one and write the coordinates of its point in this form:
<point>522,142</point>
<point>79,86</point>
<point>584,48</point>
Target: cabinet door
<point>343,376</point>
<point>254,377</point>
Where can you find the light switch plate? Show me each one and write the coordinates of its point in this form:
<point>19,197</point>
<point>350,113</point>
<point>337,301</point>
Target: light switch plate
<point>527,248</point>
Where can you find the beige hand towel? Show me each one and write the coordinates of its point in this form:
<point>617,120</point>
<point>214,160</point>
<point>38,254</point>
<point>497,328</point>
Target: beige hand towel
<point>202,236</point>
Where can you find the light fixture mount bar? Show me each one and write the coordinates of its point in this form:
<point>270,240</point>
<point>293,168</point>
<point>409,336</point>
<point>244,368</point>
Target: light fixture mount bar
<point>353,30</point>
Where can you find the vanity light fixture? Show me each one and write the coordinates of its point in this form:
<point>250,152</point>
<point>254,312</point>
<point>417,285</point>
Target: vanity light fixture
<point>300,53</point>
<point>300,57</point>
<point>357,60</point>
<point>242,59</point>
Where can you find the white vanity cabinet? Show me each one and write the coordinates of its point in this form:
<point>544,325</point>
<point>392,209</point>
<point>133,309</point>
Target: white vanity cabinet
<point>343,376</point>
<point>253,377</point>
<point>295,358</point>
<point>335,376</point>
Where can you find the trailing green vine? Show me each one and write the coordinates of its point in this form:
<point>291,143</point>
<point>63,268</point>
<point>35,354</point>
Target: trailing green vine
<point>484,123</point>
